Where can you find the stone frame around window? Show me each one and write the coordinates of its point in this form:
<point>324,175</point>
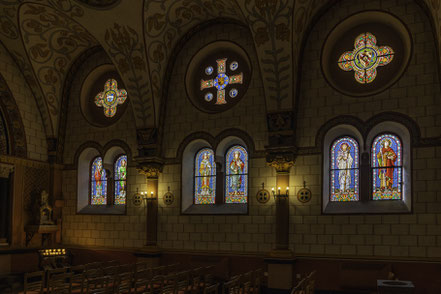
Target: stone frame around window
<point>366,205</point>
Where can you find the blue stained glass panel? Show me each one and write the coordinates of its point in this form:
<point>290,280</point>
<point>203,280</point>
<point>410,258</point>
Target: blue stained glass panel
<point>121,180</point>
<point>344,182</point>
<point>205,177</point>
<point>386,167</point>
<point>98,195</point>
<point>236,170</point>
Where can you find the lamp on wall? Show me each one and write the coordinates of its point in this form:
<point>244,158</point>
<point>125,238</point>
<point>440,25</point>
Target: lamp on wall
<point>148,196</point>
<point>278,193</point>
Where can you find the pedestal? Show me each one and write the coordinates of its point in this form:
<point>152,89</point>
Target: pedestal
<point>280,273</point>
<point>46,232</point>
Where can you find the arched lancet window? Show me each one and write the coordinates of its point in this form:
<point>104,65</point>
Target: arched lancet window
<point>120,172</point>
<point>386,164</point>
<point>236,175</point>
<point>344,170</point>
<point>204,177</point>
<point>98,182</point>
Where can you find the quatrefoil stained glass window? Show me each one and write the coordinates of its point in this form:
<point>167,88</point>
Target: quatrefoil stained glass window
<point>110,98</point>
<point>365,58</point>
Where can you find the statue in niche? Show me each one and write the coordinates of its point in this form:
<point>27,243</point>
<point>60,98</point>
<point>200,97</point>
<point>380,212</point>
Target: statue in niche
<point>45,209</point>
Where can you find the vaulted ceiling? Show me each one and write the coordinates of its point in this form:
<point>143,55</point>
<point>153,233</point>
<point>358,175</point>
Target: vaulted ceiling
<point>141,37</point>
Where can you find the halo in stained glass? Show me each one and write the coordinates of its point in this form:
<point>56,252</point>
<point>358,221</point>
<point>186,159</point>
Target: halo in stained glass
<point>386,156</point>
<point>233,93</point>
<point>98,192</point>
<point>208,70</point>
<point>120,172</point>
<point>208,97</point>
<point>236,170</point>
<point>344,170</point>
<point>205,177</point>
<point>234,65</point>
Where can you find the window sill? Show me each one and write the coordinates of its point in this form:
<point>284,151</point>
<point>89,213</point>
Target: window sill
<point>103,209</point>
<point>370,207</point>
<point>217,209</point>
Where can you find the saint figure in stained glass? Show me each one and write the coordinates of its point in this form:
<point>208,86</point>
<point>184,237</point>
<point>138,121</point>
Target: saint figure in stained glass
<point>386,167</point>
<point>205,177</point>
<point>365,58</point>
<point>344,170</point>
<point>120,180</point>
<point>236,184</point>
<point>98,183</point>
<point>110,98</point>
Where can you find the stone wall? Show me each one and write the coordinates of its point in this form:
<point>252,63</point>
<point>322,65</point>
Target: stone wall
<point>417,95</point>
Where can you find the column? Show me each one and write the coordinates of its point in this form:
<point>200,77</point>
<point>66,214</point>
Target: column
<point>281,258</point>
<point>151,171</point>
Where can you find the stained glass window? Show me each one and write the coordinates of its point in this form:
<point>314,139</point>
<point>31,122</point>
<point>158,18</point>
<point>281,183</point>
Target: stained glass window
<point>365,58</point>
<point>344,169</point>
<point>236,174</point>
<point>386,166</point>
<point>120,171</point>
<point>221,81</point>
<point>98,190</point>
<point>110,98</point>
<point>205,177</point>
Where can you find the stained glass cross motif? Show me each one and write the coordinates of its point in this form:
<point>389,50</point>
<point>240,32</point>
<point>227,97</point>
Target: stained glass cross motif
<point>110,98</point>
<point>221,81</point>
<point>365,58</point>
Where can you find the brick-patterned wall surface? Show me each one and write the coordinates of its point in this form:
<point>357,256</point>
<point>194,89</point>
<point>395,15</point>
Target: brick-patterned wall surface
<point>416,94</point>
<point>30,115</point>
<point>416,235</point>
<point>239,233</point>
<point>182,118</point>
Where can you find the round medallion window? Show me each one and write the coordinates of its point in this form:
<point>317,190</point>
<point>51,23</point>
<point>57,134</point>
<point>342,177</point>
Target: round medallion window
<point>218,76</point>
<point>366,53</point>
<point>103,97</point>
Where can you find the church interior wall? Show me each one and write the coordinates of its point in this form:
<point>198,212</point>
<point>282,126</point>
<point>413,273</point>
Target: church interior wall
<point>417,95</point>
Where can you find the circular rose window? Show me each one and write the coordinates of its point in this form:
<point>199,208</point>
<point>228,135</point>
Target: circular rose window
<point>366,53</point>
<point>218,76</point>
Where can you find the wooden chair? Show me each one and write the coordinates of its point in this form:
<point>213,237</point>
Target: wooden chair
<point>78,278</point>
<point>213,289</point>
<point>141,265</point>
<point>231,287</point>
<point>59,283</point>
<point>123,283</point>
<point>110,263</point>
<point>156,284</point>
<point>168,289</point>
<point>34,282</point>
<point>141,280</point>
<point>93,265</point>
<point>99,285</point>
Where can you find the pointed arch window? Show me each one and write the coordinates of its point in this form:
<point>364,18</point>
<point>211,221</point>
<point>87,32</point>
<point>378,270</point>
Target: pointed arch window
<point>204,177</point>
<point>344,170</point>
<point>120,175</point>
<point>386,165</point>
<point>236,175</point>
<point>98,182</point>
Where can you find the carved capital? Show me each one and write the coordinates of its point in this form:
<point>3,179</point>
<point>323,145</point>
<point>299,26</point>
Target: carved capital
<point>6,170</point>
<point>150,167</point>
<point>281,161</point>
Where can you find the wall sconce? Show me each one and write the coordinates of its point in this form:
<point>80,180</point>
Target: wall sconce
<point>148,196</point>
<point>279,194</point>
